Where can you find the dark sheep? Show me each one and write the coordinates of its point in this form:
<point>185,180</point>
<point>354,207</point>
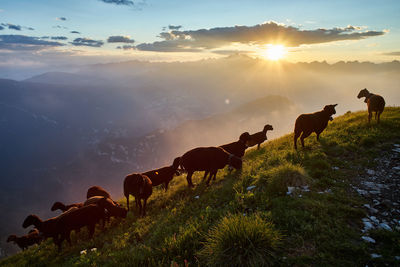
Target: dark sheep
<point>163,175</point>
<point>238,148</point>
<point>60,206</point>
<point>25,241</point>
<point>375,103</point>
<point>313,122</point>
<point>85,216</point>
<point>259,137</point>
<point>47,227</point>
<point>109,205</point>
<point>139,186</point>
<point>209,159</point>
<point>97,191</point>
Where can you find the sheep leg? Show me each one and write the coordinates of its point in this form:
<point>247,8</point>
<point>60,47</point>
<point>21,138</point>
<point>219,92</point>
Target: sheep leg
<point>258,146</point>
<point>91,230</point>
<point>369,117</point>
<point>318,136</point>
<point>205,175</point>
<point>127,201</point>
<point>212,173</point>
<point>303,136</point>
<point>189,178</point>
<point>68,238</point>
<point>140,205</point>
<point>379,116</point>
<point>144,206</point>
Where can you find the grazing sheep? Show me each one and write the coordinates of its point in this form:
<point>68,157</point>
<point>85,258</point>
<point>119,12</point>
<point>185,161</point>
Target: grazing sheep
<point>259,137</point>
<point>25,241</point>
<point>313,122</point>
<point>139,186</point>
<point>375,103</point>
<point>108,205</point>
<point>209,159</point>
<point>47,227</point>
<point>163,175</point>
<point>238,148</point>
<point>97,191</point>
<point>60,206</point>
<point>76,219</point>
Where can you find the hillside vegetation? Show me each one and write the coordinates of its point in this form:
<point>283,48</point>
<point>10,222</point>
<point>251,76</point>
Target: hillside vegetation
<point>248,218</point>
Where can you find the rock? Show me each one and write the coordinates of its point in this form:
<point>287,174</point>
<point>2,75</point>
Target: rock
<point>367,226</point>
<point>374,256</point>
<point>367,206</point>
<point>197,197</point>
<point>370,172</point>
<point>397,258</point>
<point>306,188</point>
<point>335,168</point>
<point>384,226</point>
<point>251,187</point>
<point>397,168</point>
<point>290,190</point>
<point>396,150</point>
<point>368,239</point>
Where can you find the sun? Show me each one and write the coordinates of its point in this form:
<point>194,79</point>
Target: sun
<point>275,52</point>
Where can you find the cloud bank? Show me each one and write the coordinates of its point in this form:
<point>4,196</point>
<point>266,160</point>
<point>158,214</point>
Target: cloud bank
<point>87,42</point>
<point>120,39</point>
<point>260,34</point>
<point>23,42</point>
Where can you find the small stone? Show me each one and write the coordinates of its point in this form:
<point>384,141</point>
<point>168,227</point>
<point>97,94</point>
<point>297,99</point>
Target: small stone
<point>251,187</point>
<point>374,256</point>
<point>370,172</point>
<point>385,226</point>
<point>367,206</point>
<point>290,190</point>
<point>368,239</point>
<point>305,188</point>
<point>197,197</point>
<point>397,168</point>
<point>335,168</point>
<point>397,258</point>
<point>367,226</point>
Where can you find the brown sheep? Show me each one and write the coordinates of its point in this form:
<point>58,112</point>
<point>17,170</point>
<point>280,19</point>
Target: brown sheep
<point>313,122</point>
<point>47,227</point>
<point>60,206</point>
<point>259,137</point>
<point>109,205</point>
<point>139,186</point>
<point>97,191</point>
<point>26,240</point>
<point>238,148</point>
<point>375,103</point>
<point>76,219</point>
<point>163,175</point>
<point>209,159</point>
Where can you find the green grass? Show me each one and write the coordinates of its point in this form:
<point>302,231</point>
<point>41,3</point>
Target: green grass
<point>229,224</point>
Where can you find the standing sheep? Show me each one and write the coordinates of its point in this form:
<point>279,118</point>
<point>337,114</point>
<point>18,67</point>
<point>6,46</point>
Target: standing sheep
<point>375,103</point>
<point>259,137</point>
<point>97,191</point>
<point>209,159</point>
<point>163,175</point>
<point>139,186</point>
<point>313,122</point>
<point>26,240</point>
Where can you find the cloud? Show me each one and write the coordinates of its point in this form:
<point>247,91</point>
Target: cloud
<point>127,47</point>
<point>120,39</point>
<point>61,18</point>
<point>59,38</point>
<point>119,2</point>
<point>87,42</point>
<point>60,27</point>
<point>75,32</point>
<point>12,26</point>
<point>396,53</point>
<point>1,28</point>
<point>23,42</point>
<point>172,27</point>
<point>260,34</point>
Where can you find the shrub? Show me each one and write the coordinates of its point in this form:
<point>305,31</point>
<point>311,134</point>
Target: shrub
<point>279,178</point>
<point>239,240</point>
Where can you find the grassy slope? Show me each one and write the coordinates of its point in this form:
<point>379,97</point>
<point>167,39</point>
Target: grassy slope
<point>315,229</point>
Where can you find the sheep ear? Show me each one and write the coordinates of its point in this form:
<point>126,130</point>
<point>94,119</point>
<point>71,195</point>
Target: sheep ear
<point>335,105</point>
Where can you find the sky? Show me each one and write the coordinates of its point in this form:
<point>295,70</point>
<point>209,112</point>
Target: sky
<point>53,33</point>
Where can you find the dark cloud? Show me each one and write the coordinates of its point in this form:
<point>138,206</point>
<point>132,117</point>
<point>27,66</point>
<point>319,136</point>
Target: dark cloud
<point>232,52</point>
<point>12,26</point>
<point>75,32</point>
<point>87,42</point>
<point>23,42</point>
<point>261,34</point>
<point>61,18</point>
<point>120,39</point>
<point>59,38</point>
<point>1,28</point>
<point>30,28</point>
<point>396,53</point>
<point>119,2</point>
<point>127,47</point>
<point>172,27</point>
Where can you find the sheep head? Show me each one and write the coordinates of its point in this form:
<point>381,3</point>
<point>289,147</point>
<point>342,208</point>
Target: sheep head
<point>363,93</point>
<point>11,238</point>
<point>31,220</point>
<point>235,162</point>
<point>57,205</point>
<point>330,109</point>
<point>268,127</point>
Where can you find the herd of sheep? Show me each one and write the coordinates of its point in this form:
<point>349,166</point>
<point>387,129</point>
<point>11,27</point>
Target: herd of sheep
<point>99,207</point>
